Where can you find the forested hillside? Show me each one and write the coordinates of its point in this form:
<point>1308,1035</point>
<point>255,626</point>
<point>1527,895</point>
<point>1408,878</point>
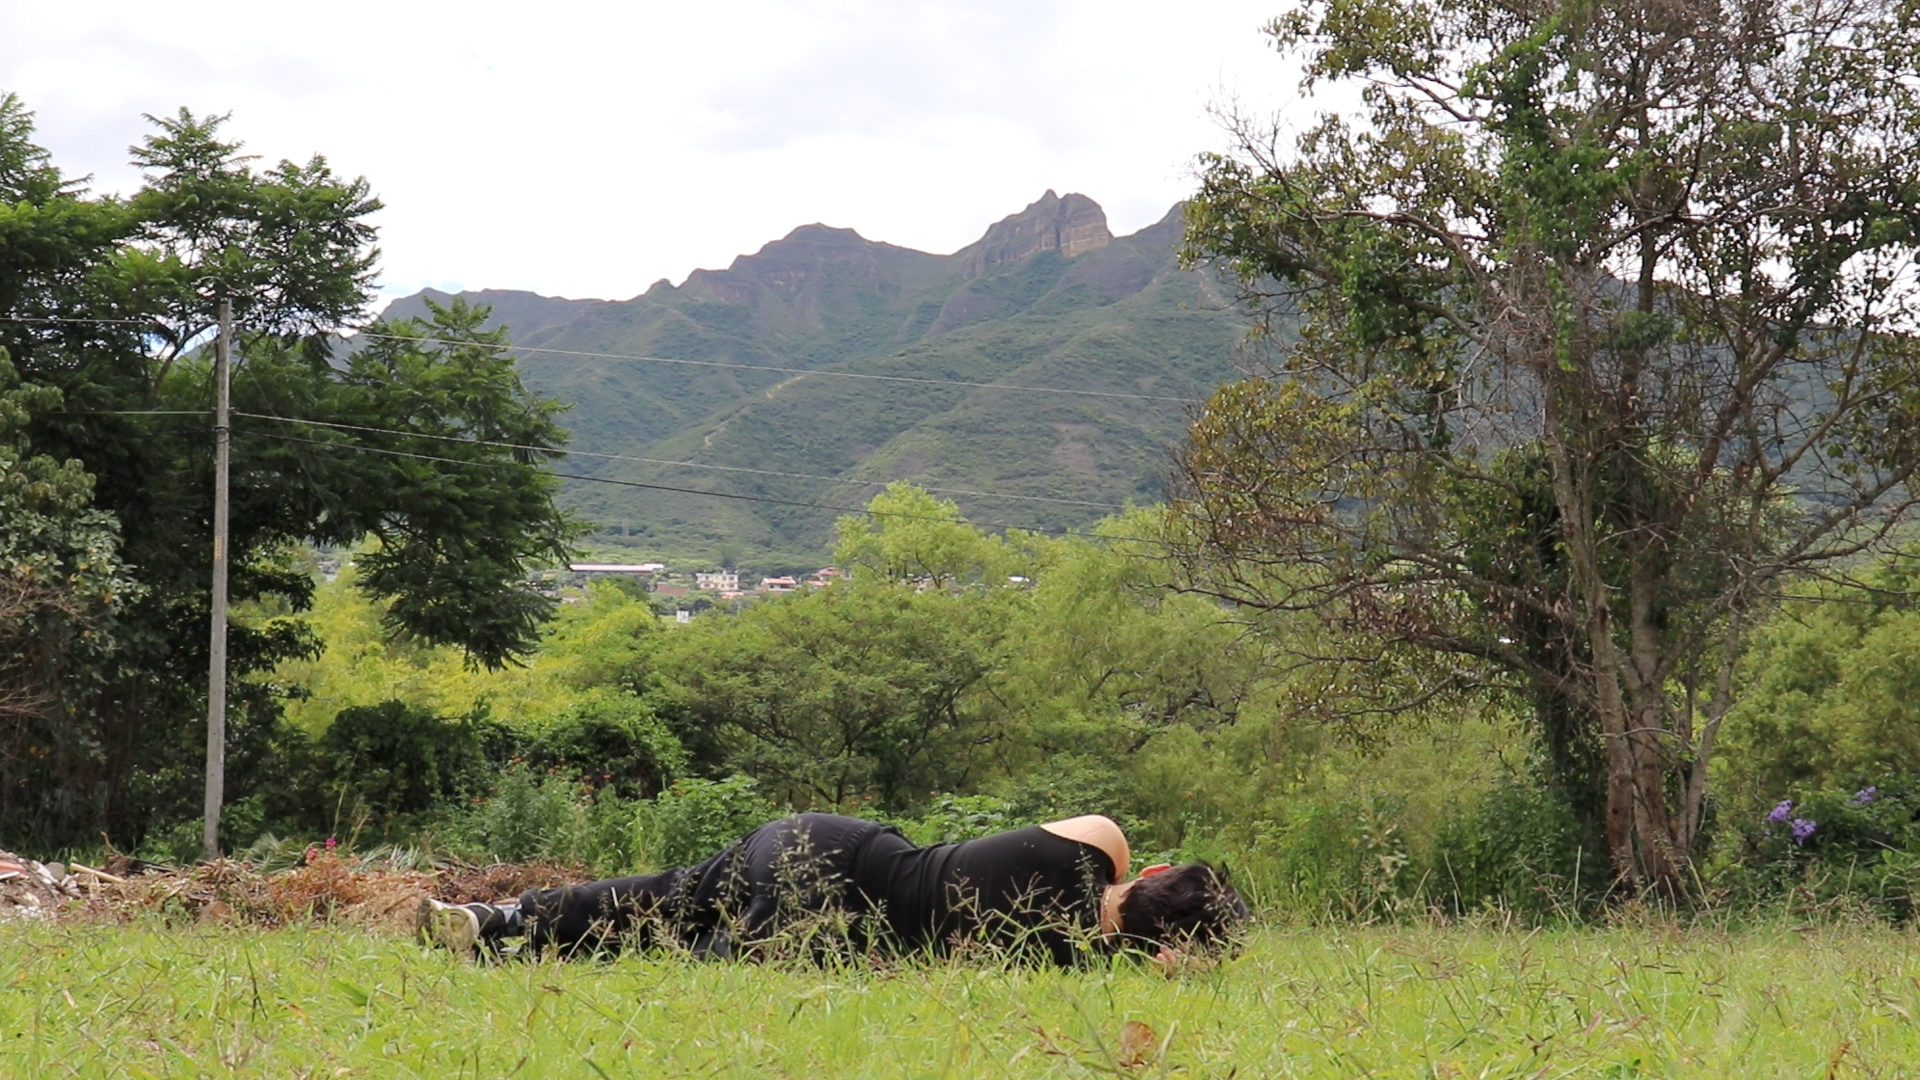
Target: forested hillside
<point>1048,298</point>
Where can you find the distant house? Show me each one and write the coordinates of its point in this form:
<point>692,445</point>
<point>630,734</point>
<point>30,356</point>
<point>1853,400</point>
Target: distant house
<point>645,569</point>
<point>669,588</point>
<point>826,575</point>
<point>778,585</point>
<point>719,581</point>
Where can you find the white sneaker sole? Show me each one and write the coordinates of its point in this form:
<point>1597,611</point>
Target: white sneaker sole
<point>447,926</point>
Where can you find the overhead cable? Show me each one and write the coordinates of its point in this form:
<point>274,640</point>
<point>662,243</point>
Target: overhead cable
<point>789,370</point>
<point>673,488</point>
<point>676,464</point>
<point>724,364</point>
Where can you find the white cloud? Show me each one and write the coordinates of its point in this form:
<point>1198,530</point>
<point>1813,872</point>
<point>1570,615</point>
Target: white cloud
<point>589,149</point>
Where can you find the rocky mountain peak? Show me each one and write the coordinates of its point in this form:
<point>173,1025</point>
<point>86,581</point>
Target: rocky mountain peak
<point>808,245</point>
<point>786,264</point>
<point>1071,226</point>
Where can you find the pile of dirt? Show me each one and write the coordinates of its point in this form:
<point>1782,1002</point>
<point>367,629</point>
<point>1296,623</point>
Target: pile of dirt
<point>32,890</point>
<point>327,887</point>
<point>503,881</point>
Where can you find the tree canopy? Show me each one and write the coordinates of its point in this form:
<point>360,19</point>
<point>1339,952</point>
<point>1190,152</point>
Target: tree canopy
<point>1606,319</point>
<point>423,439</point>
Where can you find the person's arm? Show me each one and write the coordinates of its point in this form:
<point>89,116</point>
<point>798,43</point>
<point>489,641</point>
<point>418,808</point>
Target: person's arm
<point>1100,831</point>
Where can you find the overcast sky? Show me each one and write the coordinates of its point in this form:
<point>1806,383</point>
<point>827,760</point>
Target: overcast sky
<point>589,149</point>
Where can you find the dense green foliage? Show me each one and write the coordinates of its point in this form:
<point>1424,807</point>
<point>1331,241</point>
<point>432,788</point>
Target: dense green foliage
<point>105,305</point>
<point>937,688</point>
<point>940,689</point>
<point>61,583</point>
<point>933,668</point>
<point>1835,848</point>
<point>1832,693</point>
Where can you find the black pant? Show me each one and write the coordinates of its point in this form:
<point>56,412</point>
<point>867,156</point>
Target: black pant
<point>783,870</point>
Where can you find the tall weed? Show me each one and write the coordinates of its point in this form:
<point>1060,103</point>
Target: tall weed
<point>693,818</point>
<point>531,815</point>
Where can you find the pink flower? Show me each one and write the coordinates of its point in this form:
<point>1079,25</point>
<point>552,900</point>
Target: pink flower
<point>332,843</point>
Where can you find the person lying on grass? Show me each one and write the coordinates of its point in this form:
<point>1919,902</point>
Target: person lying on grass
<point>839,884</point>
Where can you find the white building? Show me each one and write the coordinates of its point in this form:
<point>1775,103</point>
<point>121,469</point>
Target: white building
<point>644,569</point>
<point>718,581</point>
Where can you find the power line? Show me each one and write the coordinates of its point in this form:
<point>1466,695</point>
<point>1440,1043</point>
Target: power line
<point>155,323</point>
<point>678,464</point>
<point>643,460</point>
<point>728,365</point>
<point>792,371</point>
<point>128,412</point>
<point>672,488</point>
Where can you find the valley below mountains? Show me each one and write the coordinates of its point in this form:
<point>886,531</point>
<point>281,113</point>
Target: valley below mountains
<point>872,340</point>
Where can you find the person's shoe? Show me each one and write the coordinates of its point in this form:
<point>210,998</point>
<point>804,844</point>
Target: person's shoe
<point>453,927</point>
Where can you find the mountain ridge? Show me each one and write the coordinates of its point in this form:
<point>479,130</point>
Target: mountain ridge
<point>1047,298</point>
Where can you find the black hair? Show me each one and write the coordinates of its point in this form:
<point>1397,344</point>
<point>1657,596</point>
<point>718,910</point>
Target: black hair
<point>1191,905</point>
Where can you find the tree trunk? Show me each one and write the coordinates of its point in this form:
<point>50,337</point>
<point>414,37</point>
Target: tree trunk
<point>1625,688</point>
<point>1573,484</point>
<point>1661,864</point>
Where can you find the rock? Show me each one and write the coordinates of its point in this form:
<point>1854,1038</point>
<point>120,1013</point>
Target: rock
<point>29,889</point>
<point>1071,226</point>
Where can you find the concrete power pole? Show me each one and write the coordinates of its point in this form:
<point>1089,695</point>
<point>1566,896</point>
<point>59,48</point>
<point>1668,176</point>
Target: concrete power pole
<point>217,650</point>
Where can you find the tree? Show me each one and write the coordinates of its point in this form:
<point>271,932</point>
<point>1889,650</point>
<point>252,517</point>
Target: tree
<point>61,584</point>
<point>910,536</point>
<point>869,688</point>
<point>1832,695</point>
<point>858,690</point>
<point>106,302</point>
<point>1606,318</point>
<point>1109,659</point>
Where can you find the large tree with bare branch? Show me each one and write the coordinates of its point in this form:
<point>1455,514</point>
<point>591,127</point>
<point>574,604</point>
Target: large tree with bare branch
<point>1606,317</point>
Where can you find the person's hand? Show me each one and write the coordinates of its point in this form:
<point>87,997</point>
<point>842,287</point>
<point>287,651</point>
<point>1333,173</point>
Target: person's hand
<point>1172,961</point>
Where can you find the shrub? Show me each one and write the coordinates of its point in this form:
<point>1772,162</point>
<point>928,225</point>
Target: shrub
<point>1319,857</point>
<point>695,818</point>
<point>1520,849</point>
<point>611,739</point>
<point>529,815</point>
<point>1858,843</point>
<point>949,818</point>
<point>387,767</point>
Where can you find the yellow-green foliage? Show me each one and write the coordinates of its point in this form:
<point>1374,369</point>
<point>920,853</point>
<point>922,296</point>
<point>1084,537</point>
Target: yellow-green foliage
<point>145,1001</point>
<point>588,651</point>
<point>1053,676</point>
<point>1834,697</point>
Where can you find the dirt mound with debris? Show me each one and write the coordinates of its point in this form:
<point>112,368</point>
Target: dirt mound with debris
<point>33,890</point>
<point>327,887</point>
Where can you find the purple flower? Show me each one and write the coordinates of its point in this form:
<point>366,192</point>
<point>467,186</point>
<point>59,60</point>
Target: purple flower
<point>1802,829</point>
<point>1780,813</point>
<point>1865,796</point>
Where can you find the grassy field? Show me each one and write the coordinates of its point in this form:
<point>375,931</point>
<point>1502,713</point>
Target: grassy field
<point>147,1001</point>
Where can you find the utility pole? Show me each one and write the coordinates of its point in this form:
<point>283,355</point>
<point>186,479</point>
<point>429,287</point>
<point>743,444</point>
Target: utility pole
<point>217,650</point>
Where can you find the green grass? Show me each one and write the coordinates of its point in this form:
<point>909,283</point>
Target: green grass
<point>94,1001</point>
